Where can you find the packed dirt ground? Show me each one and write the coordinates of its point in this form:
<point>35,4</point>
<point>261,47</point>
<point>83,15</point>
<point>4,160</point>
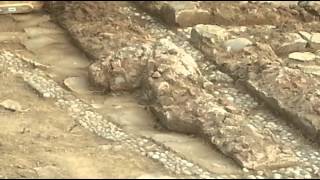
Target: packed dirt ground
<point>160,89</point>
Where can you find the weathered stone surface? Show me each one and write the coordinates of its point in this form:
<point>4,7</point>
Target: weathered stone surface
<point>177,70</point>
<point>288,91</point>
<point>181,13</point>
<point>205,36</point>
<point>77,84</point>
<point>122,70</point>
<point>182,105</point>
<point>302,56</point>
<point>291,93</point>
<point>237,44</point>
<point>315,70</point>
<point>312,38</point>
<point>11,105</point>
<point>294,43</point>
<point>185,13</point>
<point>315,41</point>
<point>305,35</point>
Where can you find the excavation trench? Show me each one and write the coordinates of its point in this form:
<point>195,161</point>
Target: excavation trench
<point>50,49</point>
<point>83,33</point>
<point>181,123</point>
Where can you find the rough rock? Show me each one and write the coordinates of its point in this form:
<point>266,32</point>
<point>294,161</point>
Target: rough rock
<point>237,44</point>
<point>315,70</point>
<point>175,67</point>
<point>292,93</point>
<point>11,105</point>
<point>185,13</point>
<point>205,36</point>
<point>77,84</point>
<point>305,35</point>
<point>315,41</point>
<point>180,103</point>
<point>181,13</point>
<point>122,70</point>
<point>293,43</point>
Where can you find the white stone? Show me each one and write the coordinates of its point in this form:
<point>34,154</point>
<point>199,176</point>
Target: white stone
<point>302,56</point>
<point>305,35</point>
<point>11,105</point>
<point>315,40</point>
<point>237,44</point>
<point>315,70</point>
<point>245,170</point>
<point>277,176</point>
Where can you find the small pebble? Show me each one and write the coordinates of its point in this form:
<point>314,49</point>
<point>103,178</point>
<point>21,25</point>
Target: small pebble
<point>307,176</point>
<point>260,173</point>
<point>251,177</point>
<point>277,176</point>
<point>156,156</point>
<point>46,95</point>
<point>245,170</point>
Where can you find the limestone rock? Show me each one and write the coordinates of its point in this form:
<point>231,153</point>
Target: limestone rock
<point>315,41</point>
<point>302,56</point>
<point>11,105</point>
<point>315,70</point>
<point>305,35</point>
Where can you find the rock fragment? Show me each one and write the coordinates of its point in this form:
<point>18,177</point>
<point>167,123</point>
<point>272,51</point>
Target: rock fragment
<point>293,43</point>
<point>302,56</point>
<point>11,105</point>
<point>181,13</point>
<point>237,44</point>
<point>181,104</point>
<point>77,84</point>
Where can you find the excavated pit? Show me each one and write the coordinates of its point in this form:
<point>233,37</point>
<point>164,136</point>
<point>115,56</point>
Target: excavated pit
<point>97,34</point>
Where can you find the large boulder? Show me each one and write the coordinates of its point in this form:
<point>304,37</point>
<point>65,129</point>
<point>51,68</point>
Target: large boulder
<point>174,87</point>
